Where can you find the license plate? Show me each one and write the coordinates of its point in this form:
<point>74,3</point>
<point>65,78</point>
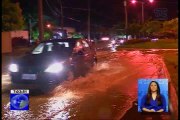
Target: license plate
<point>29,76</point>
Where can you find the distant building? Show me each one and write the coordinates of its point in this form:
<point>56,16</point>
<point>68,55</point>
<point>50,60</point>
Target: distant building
<point>66,32</point>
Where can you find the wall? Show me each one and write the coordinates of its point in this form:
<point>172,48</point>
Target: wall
<point>6,42</point>
<point>7,39</point>
<point>24,34</point>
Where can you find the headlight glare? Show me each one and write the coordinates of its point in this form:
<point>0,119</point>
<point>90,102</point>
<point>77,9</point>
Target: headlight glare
<point>13,68</point>
<point>54,68</point>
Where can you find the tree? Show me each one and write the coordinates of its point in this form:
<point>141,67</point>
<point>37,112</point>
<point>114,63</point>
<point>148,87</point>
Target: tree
<point>47,32</point>
<point>12,18</point>
<point>151,27</point>
<point>77,35</point>
<point>34,26</point>
<point>170,27</point>
<point>134,29</point>
<point>118,29</point>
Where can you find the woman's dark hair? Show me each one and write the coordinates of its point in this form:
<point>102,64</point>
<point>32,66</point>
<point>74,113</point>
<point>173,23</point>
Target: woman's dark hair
<point>149,94</point>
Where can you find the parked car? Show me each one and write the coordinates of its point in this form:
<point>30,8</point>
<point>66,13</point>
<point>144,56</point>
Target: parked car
<point>53,61</point>
<point>120,41</point>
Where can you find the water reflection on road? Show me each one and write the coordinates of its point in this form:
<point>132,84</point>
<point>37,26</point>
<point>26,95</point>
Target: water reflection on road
<point>107,92</point>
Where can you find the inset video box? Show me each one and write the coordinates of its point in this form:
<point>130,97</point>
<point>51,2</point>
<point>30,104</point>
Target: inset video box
<point>19,99</point>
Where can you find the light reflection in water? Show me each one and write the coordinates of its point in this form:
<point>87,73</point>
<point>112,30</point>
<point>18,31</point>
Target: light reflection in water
<point>15,114</point>
<point>56,107</point>
<point>113,49</point>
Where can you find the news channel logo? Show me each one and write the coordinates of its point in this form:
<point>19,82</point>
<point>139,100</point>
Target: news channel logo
<point>143,85</point>
<point>19,99</point>
<point>161,13</point>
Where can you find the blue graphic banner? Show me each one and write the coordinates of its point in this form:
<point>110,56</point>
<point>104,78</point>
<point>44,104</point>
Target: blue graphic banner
<point>19,100</point>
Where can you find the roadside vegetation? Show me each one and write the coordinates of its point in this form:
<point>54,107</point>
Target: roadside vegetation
<point>150,28</point>
<point>159,44</point>
<point>12,18</point>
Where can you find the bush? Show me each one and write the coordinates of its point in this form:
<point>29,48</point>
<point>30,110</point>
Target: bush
<point>134,41</point>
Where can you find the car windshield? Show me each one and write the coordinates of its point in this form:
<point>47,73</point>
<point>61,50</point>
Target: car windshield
<point>53,47</point>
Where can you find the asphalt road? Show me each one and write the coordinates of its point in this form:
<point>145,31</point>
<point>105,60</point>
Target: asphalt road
<point>109,91</point>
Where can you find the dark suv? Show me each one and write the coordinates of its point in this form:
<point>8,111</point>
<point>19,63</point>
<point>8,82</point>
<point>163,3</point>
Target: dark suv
<point>53,61</point>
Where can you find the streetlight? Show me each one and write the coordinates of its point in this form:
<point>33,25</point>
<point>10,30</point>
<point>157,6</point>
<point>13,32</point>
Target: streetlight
<point>142,6</point>
<point>89,21</point>
<point>133,1</point>
<point>62,22</point>
<point>30,29</point>
<point>151,1</point>
<point>40,20</point>
<point>126,18</point>
<point>48,25</point>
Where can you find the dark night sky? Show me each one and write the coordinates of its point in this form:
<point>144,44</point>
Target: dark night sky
<point>103,12</point>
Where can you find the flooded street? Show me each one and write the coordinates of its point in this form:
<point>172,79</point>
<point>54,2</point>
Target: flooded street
<point>107,92</point>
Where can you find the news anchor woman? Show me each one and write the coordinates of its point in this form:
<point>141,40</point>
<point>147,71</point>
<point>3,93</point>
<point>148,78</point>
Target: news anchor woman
<point>153,101</point>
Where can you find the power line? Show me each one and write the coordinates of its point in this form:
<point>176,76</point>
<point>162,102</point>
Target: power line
<point>92,11</point>
<point>53,11</point>
<point>83,9</point>
<point>70,18</point>
<point>57,13</point>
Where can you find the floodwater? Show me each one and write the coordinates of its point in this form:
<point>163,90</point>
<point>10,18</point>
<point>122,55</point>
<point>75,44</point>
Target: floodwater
<point>109,91</point>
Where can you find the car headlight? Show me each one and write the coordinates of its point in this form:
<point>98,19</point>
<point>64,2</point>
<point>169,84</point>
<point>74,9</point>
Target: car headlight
<point>113,41</point>
<point>55,68</point>
<point>13,68</point>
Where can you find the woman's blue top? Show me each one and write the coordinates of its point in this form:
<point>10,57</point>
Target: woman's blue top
<point>153,103</point>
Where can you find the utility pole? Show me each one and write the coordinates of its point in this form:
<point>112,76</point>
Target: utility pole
<point>62,22</point>
<point>126,18</point>
<point>142,12</point>
<point>142,15</point>
<point>29,18</point>
<point>89,30</point>
<point>40,20</point>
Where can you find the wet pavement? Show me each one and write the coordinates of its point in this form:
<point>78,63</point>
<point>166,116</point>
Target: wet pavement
<point>109,91</point>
